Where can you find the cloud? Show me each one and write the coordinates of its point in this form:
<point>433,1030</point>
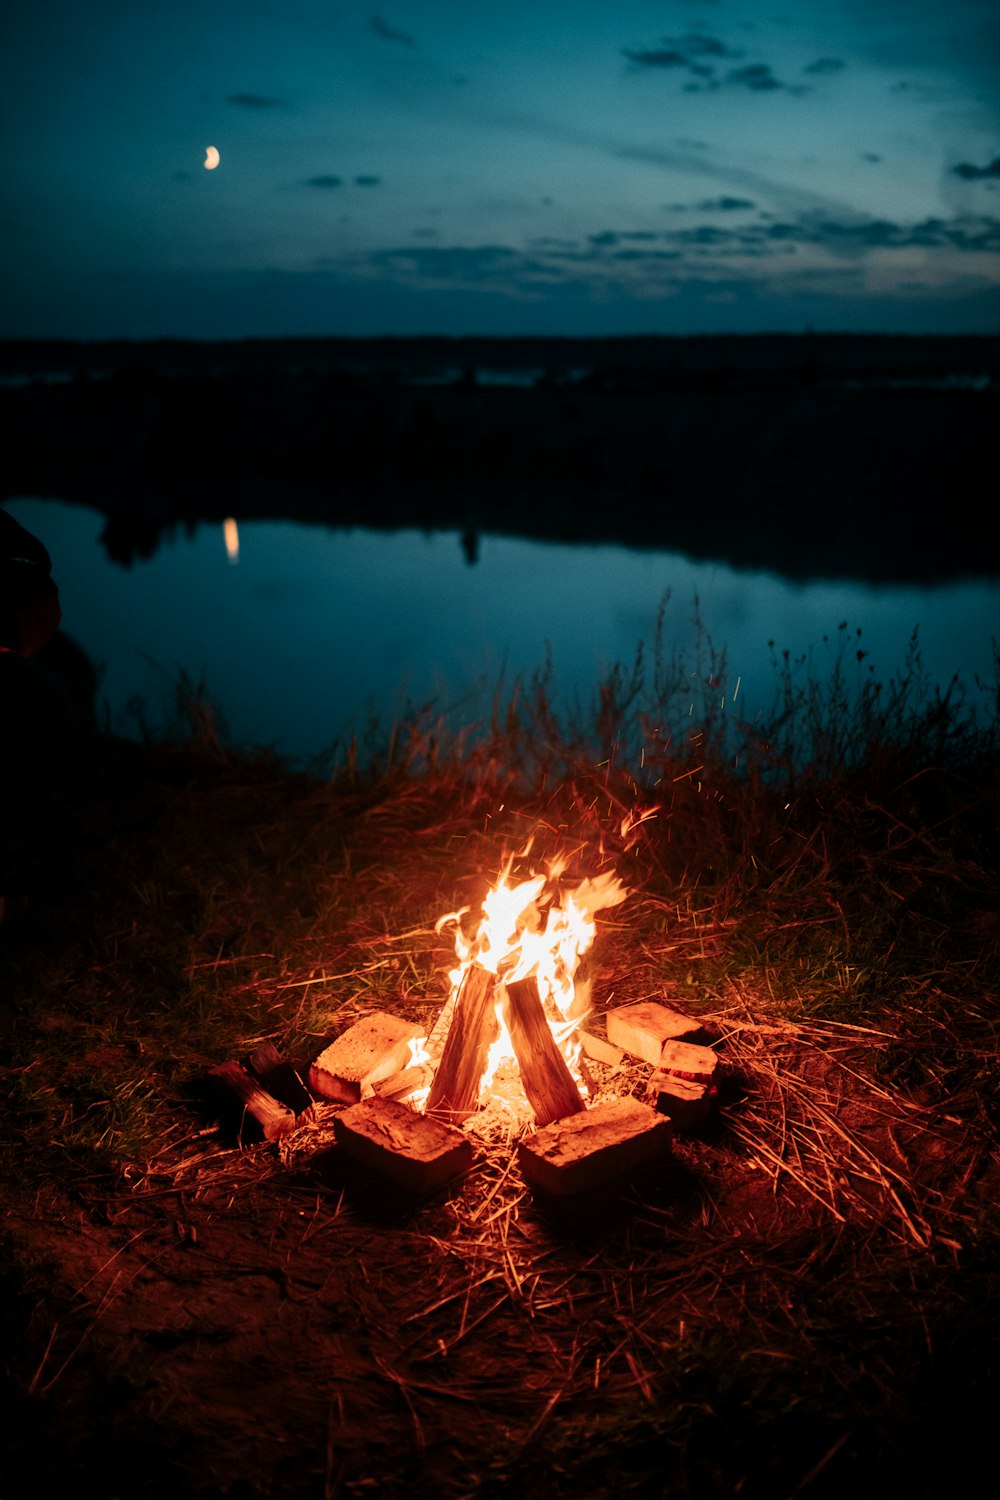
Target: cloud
<point>661,58</point>
<point>724,204</point>
<point>967,233</point>
<point>324,180</point>
<point>255,101</point>
<point>971,173</point>
<point>366,181</point>
<point>448,263</point>
<point>688,51</point>
<point>825,65</point>
<point>389,33</point>
<point>848,237</point>
<point>759,78</point>
<point>698,53</point>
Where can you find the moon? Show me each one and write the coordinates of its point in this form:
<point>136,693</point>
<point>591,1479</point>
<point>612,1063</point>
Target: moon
<point>211,158</point>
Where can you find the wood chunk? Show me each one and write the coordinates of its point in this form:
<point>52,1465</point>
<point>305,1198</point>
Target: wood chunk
<point>547,1081</point>
<point>401,1084</point>
<point>280,1079</point>
<point>689,1061</point>
<point>602,1145</point>
<point>254,1113</point>
<point>374,1048</point>
<point>599,1050</point>
<point>642,1029</point>
<point>416,1152</point>
<point>687,1104</point>
<point>473,1030</point>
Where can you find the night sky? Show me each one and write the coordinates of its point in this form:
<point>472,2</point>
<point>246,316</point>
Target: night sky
<point>531,168</point>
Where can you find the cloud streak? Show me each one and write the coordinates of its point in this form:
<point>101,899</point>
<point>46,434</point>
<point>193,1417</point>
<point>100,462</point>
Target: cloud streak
<point>387,33</point>
<point>699,54</point>
<point>972,173</point>
<point>689,52</point>
<point>255,101</point>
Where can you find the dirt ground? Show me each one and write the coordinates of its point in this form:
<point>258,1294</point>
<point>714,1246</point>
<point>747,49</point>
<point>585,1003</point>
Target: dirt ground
<point>262,1323</point>
<point>802,1300</point>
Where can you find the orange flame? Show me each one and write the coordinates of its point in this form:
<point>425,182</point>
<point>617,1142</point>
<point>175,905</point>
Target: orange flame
<point>524,931</point>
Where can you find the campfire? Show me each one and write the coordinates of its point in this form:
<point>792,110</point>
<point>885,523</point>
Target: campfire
<point>514,1002</point>
<point>506,1043</point>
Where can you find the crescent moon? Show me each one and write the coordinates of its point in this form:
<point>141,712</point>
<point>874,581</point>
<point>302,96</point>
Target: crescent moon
<point>211,158</point>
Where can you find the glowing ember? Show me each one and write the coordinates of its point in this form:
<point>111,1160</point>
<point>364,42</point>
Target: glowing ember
<point>530,930</point>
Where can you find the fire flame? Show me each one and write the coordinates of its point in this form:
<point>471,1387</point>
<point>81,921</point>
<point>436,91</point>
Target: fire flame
<point>525,930</point>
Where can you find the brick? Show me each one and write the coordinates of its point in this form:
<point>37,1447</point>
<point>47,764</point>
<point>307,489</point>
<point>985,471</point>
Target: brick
<point>604,1144</point>
<point>418,1153</point>
<point>373,1049</point>
<point>689,1061</point>
<point>643,1028</point>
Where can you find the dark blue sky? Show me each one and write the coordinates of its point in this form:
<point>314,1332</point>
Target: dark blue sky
<point>544,167</point>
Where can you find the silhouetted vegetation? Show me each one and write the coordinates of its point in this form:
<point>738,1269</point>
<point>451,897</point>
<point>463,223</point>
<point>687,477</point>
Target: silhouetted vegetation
<point>814,456</point>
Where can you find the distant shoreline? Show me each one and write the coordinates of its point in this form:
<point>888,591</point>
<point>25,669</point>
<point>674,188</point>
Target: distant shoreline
<point>836,456</point>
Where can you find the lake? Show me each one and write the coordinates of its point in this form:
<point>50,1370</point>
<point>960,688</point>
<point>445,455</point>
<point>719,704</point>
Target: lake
<point>312,632</point>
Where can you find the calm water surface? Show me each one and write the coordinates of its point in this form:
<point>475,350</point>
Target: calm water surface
<point>312,632</point>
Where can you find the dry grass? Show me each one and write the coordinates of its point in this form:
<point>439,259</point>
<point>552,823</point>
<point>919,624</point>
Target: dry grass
<point>783,1312</point>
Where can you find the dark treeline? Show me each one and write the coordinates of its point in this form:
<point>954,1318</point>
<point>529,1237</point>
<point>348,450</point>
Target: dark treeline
<point>814,455</point>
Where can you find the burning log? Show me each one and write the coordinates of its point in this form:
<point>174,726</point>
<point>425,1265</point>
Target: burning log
<point>414,1151</point>
<point>547,1080</point>
<point>473,1030</point>
<point>643,1029</point>
<point>374,1048</point>
<point>255,1114</point>
<point>279,1078</point>
<point>687,1104</point>
<point>590,1150</point>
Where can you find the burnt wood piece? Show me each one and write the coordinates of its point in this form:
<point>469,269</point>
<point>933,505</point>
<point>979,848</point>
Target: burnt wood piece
<point>419,1154</point>
<point>280,1079</point>
<point>373,1048</point>
<point>642,1029</point>
<point>254,1114</point>
<point>606,1143</point>
<point>547,1081</point>
<point>473,1030</point>
<point>689,1105</point>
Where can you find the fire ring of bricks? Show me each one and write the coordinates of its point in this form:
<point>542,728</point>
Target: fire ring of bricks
<point>406,1096</point>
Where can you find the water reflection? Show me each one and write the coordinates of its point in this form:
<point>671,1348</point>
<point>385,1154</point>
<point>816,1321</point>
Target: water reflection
<point>316,631</point>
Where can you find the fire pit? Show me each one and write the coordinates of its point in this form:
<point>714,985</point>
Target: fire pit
<point>506,1045</point>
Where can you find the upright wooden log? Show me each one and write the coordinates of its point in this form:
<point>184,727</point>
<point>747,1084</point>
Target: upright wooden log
<point>547,1080</point>
<point>473,1030</point>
